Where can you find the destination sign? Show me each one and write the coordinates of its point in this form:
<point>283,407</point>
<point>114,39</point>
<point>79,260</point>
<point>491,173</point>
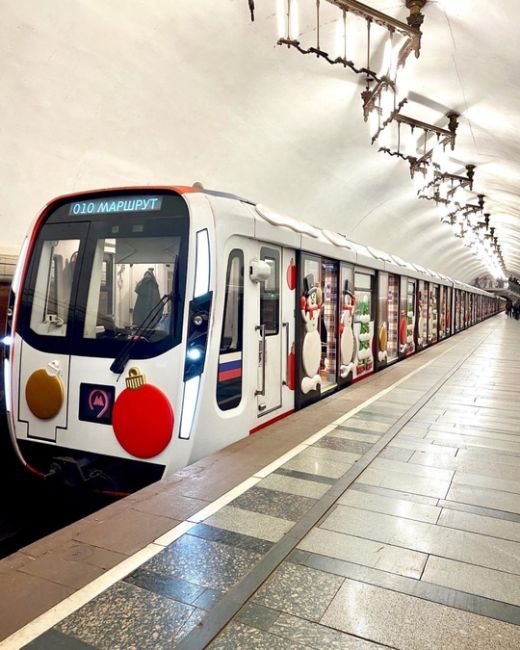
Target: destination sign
<point>116,204</point>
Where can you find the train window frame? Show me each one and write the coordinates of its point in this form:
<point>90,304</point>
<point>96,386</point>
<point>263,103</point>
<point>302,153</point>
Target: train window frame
<point>229,371</point>
<point>154,273</point>
<point>50,314</point>
<point>57,338</point>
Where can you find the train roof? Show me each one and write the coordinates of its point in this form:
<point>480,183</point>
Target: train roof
<point>367,255</point>
<point>390,262</point>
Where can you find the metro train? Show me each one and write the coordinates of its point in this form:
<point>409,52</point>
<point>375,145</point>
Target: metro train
<point>149,327</point>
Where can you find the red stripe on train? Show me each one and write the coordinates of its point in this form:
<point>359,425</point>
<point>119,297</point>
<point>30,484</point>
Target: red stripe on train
<point>272,421</point>
<point>230,374</point>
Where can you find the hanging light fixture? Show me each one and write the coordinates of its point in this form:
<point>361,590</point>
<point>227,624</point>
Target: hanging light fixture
<point>424,146</point>
<point>445,187</point>
<point>417,142</point>
<point>352,10</point>
<point>386,88</point>
<point>456,207</point>
<point>477,235</point>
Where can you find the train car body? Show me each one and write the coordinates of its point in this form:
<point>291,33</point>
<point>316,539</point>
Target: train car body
<point>150,327</point>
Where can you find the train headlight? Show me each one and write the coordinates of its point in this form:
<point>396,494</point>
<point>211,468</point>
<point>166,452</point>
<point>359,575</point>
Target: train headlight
<point>194,354</point>
<point>198,327</point>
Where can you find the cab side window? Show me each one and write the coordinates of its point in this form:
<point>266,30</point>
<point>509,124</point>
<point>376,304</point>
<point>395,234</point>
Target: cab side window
<point>229,380</point>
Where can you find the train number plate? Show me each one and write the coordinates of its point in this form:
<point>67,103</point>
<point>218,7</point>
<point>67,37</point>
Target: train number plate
<point>95,403</point>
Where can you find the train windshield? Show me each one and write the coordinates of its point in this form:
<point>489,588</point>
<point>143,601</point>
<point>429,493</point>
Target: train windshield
<point>129,277</point>
<point>101,280</point>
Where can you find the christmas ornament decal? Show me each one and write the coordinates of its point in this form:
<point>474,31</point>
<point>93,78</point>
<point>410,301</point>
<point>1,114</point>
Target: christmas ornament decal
<point>382,340</point>
<point>310,308</point>
<point>291,275</point>
<point>142,417</point>
<point>44,391</point>
<point>346,332</point>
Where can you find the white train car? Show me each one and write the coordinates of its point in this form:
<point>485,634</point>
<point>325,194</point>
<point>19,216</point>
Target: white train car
<point>149,327</point>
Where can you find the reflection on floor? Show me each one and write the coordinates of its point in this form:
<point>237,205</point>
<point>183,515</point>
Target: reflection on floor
<point>422,551</point>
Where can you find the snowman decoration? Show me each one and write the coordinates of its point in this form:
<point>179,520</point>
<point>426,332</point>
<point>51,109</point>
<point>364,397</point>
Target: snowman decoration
<point>310,308</point>
<point>346,344</point>
<point>382,340</point>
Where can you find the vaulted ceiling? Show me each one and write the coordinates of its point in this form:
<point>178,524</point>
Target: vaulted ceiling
<point>138,92</point>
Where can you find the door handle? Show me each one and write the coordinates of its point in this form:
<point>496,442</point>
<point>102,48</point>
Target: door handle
<point>285,382</point>
<point>261,355</point>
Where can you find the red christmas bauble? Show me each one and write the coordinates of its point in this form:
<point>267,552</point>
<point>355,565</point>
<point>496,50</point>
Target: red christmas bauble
<point>142,420</point>
<point>291,275</point>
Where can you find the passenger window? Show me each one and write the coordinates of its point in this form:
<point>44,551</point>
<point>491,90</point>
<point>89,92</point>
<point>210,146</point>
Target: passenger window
<point>270,293</point>
<point>51,301</point>
<point>129,277</point>
<point>229,381</point>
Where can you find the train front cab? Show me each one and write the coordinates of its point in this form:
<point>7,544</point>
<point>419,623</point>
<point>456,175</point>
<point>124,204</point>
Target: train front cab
<point>89,300</point>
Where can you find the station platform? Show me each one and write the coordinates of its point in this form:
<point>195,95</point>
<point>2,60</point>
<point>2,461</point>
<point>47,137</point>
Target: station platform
<point>385,516</point>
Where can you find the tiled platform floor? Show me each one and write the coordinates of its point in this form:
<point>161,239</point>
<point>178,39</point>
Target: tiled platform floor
<point>422,551</point>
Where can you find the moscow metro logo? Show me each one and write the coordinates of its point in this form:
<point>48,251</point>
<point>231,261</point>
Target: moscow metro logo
<point>95,403</point>
<point>98,402</point>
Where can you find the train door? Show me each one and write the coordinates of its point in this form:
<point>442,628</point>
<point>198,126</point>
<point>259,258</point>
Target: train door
<point>442,312</point>
<point>320,366</point>
<point>407,313</point>
<point>271,329</point>
<point>422,314</point>
<point>433,313</point>
<point>329,325</point>
<point>387,319</point>
<point>449,311</point>
<point>346,319</point>
<point>364,281</point>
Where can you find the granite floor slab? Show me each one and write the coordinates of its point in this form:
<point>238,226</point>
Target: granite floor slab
<point>127,616</point>
<point>409,623</point>
<point>485,497</point>
<point>202,562</point>
<point>293,485</point>
<point>474,523</point>
<point>313,635</point>
<point>275,503</point>
<point>406,482</point>
<point>390,506</point>
<point>299,591</point>
<point>471,579</point>
<point>454,544</point>
<point>250,523</point>
<point>343,546</point>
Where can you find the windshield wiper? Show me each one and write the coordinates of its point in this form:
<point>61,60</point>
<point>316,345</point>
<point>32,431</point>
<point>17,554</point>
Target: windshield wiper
<point>119,363</point>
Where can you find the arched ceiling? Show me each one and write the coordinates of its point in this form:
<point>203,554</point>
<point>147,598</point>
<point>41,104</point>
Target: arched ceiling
<point>139,92</point>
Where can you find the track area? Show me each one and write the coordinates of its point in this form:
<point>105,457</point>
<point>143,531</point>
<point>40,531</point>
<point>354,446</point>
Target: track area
<point>32,508</point>
<point>406,503</point>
